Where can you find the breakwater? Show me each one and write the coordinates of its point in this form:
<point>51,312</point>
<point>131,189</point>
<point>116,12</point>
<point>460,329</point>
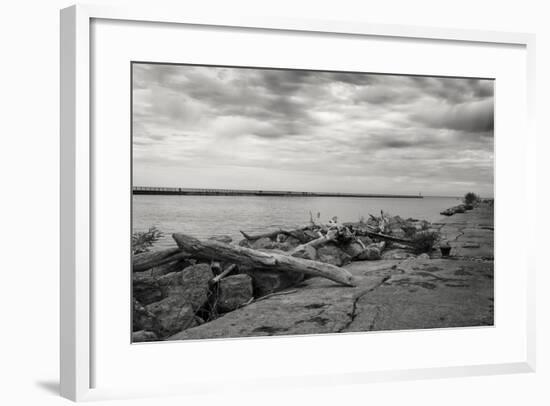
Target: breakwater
<point>149,190</point>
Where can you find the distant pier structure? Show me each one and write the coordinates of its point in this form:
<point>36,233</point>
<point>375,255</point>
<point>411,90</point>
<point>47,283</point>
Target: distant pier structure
<point>151,190</point>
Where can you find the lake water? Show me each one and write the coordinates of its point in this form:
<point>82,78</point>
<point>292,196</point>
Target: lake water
<point>206,216</point>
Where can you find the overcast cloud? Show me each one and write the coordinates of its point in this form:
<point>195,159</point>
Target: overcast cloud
<point>311,131</point>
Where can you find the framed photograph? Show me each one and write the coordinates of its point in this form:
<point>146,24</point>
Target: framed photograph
<point>330,198</point>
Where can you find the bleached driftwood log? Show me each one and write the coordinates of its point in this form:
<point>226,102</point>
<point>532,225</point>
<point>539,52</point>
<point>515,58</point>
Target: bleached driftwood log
<point>147,260</point>
<point>322,240</point>
<point>222,275</point>
<point>260,260</point>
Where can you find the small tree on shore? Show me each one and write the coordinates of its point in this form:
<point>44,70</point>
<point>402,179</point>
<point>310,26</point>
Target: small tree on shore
<point>470,198</point>
<point>142,241</point>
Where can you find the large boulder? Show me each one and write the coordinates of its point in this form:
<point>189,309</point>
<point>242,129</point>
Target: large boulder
<point>289,243</point>
<point>353,249</point>
<point>372,252</point>
<point>146,288</point>
<point>233,292</point>
<point>172,314</point>
<point>191,284</point>
<point>154,285</point>
<point>141,318</point>
<point>263,243</point>
<point>184,293</point>
<point>306,252</point>
<point>142,335</point>
<point>331,254</point>
<point>266,281</point>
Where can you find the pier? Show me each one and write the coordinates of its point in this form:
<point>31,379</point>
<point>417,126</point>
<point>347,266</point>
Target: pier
<point>150,190</point>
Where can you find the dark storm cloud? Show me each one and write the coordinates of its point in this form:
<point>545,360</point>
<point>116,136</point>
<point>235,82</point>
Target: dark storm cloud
<point>397,143</point>
<point>368,127</point>
<point>455,90</point>
<point>284,83</point>
<point>476,116</point>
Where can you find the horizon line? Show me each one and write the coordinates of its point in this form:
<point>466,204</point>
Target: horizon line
<point>305,193</point>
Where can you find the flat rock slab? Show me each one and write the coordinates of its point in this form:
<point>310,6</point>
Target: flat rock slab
<point>317,306</point>
<point>480,217</point>
<point>470,234</point>
<point>429,294</point>
<point>391,295</point>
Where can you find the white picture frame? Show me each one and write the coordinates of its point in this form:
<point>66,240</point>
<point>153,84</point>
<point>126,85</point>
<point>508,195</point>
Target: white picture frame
<point>77,356</point>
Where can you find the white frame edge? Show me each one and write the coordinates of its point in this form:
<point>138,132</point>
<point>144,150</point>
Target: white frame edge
<point>76,358</point>
<point>75,204</point>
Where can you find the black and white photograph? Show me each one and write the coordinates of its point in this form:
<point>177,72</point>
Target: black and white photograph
<point>269,202</point>
<point>223,203</point>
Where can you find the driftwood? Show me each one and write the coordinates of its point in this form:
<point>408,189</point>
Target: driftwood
<point>322,240</point>
<point>382,222</point>
<point>147,260</point>
<point>369,231</point>
<point>222,275</point>
<point>260,260</point>
<point>298,234</point>
<point>388,237</point>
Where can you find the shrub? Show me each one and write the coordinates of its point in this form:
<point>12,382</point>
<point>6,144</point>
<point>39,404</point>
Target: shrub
<point>142,241</point>
<point>424,241</point>
<point>470,198</point>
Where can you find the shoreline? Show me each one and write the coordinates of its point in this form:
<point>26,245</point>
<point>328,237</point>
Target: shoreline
<point>391,293</point>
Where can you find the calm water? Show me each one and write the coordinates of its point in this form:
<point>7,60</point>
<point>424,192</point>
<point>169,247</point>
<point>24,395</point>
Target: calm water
<point>206,216</point>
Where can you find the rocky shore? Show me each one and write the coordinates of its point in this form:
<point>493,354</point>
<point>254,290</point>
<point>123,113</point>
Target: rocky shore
<point>376,274</point>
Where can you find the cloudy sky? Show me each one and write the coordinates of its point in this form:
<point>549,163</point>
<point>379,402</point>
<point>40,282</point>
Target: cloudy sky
<point>311,131</point>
